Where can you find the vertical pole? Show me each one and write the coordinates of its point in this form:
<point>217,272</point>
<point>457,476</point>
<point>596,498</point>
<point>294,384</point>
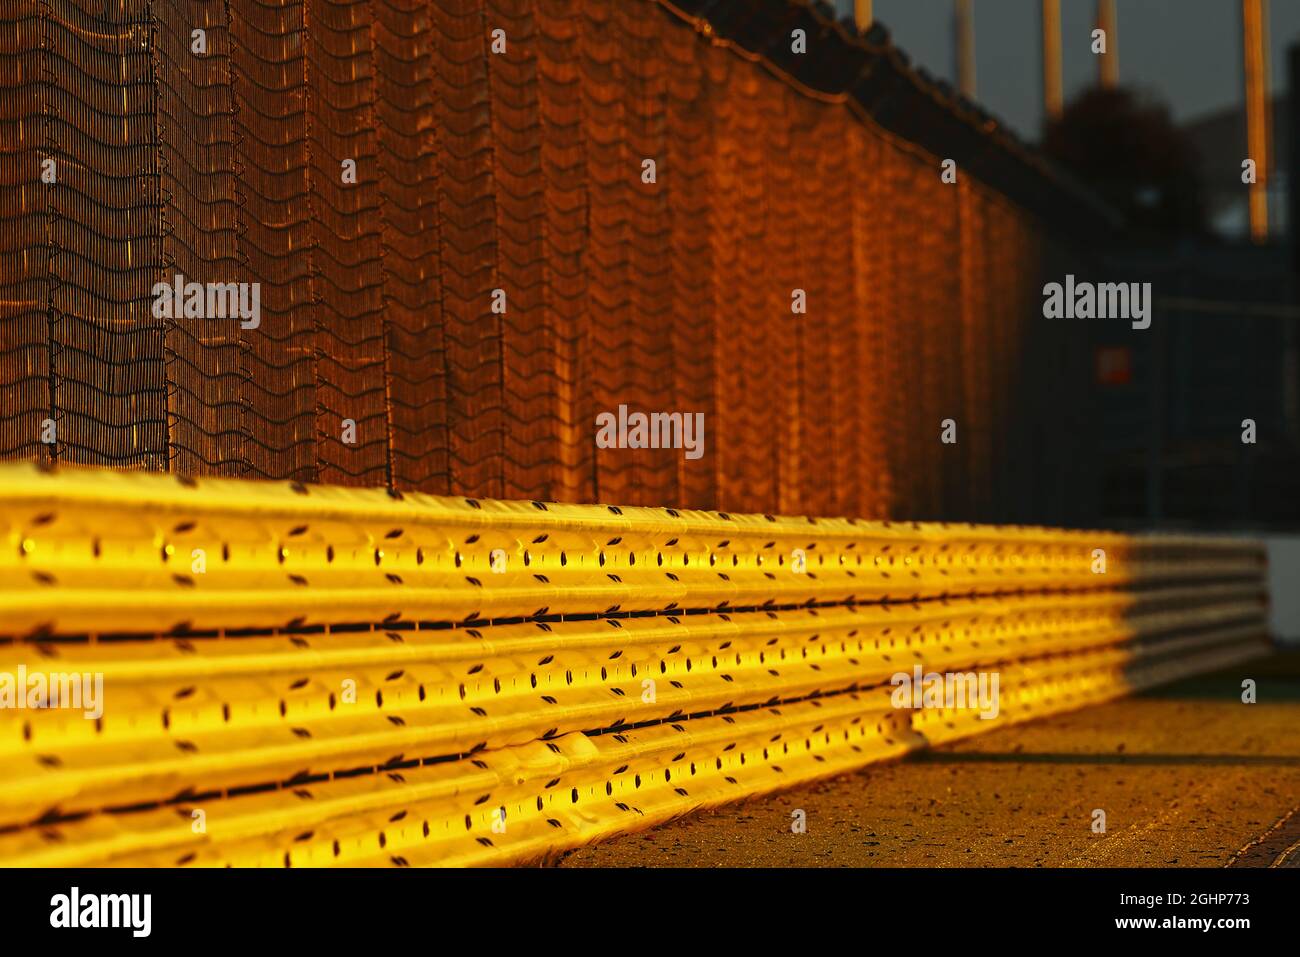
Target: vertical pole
<point>965,24</point>
<point>1255,34</point>
<point>1156,424</point>
<point>862,13</point>
<point>1290,335</point>
<point>1107,21</point>
<point>1052,99</point>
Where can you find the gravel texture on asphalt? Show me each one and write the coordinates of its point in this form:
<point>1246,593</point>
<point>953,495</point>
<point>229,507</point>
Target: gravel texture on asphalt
<point>1187,776</point>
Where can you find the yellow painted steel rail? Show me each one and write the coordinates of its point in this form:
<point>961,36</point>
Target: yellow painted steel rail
<point>304,675</point>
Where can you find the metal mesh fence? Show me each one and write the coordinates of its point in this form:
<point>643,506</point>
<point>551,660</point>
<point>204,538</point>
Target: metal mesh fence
<point>385,353</point>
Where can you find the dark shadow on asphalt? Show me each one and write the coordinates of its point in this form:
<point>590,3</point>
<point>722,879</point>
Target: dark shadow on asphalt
<point>1026,757</point>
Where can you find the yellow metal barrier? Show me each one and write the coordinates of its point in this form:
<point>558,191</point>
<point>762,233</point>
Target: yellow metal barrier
<point>301,675</point>
<point>94,551</point>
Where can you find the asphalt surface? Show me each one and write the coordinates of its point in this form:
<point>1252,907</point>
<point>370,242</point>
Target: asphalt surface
<point>1187,776</point>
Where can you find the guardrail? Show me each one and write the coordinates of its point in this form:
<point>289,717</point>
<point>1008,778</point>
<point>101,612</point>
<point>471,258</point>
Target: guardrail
<point>304,675</point>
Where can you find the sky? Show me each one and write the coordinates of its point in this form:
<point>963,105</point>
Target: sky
<point>1187,53</point>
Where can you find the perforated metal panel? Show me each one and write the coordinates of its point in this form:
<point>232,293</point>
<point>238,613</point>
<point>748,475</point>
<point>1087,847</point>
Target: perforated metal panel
<point>334,675</point>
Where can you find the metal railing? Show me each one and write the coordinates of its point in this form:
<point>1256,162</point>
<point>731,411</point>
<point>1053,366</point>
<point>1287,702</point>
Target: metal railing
<point>305,675</point>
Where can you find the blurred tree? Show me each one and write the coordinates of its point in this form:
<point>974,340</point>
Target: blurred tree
<point>1126,146</point>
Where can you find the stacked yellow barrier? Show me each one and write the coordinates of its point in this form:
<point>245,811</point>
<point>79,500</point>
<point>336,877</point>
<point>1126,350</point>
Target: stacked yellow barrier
<point>303,675</point>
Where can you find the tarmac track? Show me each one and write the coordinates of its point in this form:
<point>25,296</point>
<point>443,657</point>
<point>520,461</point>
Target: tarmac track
<point>1187,776</point>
